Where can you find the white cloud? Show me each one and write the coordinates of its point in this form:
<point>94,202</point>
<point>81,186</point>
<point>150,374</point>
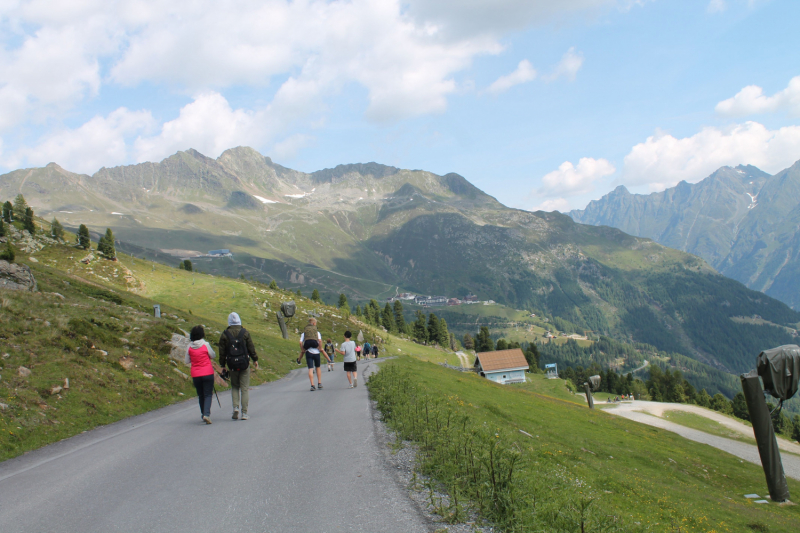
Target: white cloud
<point>209,125</point>
<point>568,67</point>
<point>555,204</point>
<point>751,100</point>
<point>663,160</point>
<point>101,141</point>
<point>523,74</point>
<point>716,6</point>
<point>571,180</point>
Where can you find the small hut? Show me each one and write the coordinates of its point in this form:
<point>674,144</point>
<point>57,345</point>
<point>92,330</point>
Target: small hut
<point>503,366</point>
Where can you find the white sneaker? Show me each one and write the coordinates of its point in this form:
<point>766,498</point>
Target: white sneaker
<point>244,416</point>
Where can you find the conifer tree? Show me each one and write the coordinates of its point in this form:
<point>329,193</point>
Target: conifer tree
<point>273,285</point>
<point>27,221</point>
<point>187,264</point>
<point>20,205</point>
<point>420,331</point>
<point>359,314</point>
<point>399,319</point>
<point>56,230</point>
<point>8,254</point>
<point>343,301</point>
<point>299,294</point>
<point>433,329</point>
<point>83,238</point>
<point>501,345</point>
<point>387,318</point>
<point>484,342</point>
<point>181,266</point>
<point>8,212</point>
<point>315,296</point>
<point>106,245</point>
<point>2,228</point>
<point>444,335</point>
<point>467,341</point>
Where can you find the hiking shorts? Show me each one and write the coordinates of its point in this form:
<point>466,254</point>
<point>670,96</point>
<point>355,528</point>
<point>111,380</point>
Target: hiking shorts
<point>351,367</point>
<point>312,359</point>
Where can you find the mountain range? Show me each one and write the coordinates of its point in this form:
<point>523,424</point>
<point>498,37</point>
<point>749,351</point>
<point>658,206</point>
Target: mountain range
<point>743,221</point>
<point>371,230</point>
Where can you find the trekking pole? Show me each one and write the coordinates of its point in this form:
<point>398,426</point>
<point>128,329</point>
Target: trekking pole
<point>217,395</point>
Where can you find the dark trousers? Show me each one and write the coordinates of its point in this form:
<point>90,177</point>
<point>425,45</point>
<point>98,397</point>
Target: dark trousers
<point>205,388</point>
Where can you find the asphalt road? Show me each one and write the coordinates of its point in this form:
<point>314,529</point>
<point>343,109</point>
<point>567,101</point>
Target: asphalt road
<point>303,462</point>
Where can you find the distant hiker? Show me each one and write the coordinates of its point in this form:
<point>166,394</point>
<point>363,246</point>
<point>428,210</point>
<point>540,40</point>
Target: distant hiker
<point>235,350</point>
<point>358,352</point>
<point>331,351</point>
<point>349,352</point>
<point>375,351</point>
<point>311,343</point>
<point>199,355</point>
<point>366,349</point>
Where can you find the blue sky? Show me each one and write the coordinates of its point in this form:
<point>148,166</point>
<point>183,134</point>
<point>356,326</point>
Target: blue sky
<point>542,104</point>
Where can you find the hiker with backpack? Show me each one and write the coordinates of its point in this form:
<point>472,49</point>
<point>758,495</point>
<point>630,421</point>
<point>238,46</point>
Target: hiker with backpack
<point>236,350</point>
<point>375,351</point>
<point>350,365</point>
<point>329,349</point>
<point>199,354</point>
<point>311,344</point>
<point>366,350</point>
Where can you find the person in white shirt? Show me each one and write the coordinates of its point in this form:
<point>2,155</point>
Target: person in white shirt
<point>349,352</point>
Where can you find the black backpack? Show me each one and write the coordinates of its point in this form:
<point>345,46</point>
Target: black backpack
<point>237,359</point>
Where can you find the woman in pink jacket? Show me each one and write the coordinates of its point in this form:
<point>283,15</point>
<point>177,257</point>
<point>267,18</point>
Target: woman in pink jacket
<point>200,354</point>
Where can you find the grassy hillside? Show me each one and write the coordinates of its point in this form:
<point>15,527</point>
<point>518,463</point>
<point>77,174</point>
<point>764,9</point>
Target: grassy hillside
<point>575,466</point>
<point>88,318</point>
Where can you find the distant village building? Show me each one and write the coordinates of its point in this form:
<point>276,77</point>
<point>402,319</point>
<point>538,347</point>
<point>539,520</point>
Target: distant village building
<point>220,253</point>
<point>430,301</point>
<point>470,298</point>
<point>504,366</point>
<point>453,301</point>
<point>406,296</point>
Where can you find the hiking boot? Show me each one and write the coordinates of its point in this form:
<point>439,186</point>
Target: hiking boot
<point>319,386</point>
<point>207,420</point>
<point>235,414</point>
<point>313,388</point>
<point>244,416</point>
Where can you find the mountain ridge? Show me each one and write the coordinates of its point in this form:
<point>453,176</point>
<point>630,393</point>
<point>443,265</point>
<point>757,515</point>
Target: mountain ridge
<point>416,231</point>
<point>741,220</point>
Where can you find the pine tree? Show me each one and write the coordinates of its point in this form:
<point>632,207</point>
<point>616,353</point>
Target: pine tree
<point>501,345</point>
<point>83,238</point>
<point>444,334</point>
<point>2,228</point>
<point>187,264</point>
<point>399,319</point>
<point>56,230</point>
<point>387,319</point>
<point>181,266</point>
<point>273,285</point>
<point>299,294</point>
<point>467,341</point>
<point>20,205</point>
<point>484,342</point>
<point>740,407</point>
<point>8,254</point>
<point>420,331</point>
<point>315,296</point>
<point>8,212</point>
<point>433,329</point>
<point>27,221</point>
<point>532,356</point>
<point>343,302</point>
<point>106,245</point>
<point>359,314</point>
